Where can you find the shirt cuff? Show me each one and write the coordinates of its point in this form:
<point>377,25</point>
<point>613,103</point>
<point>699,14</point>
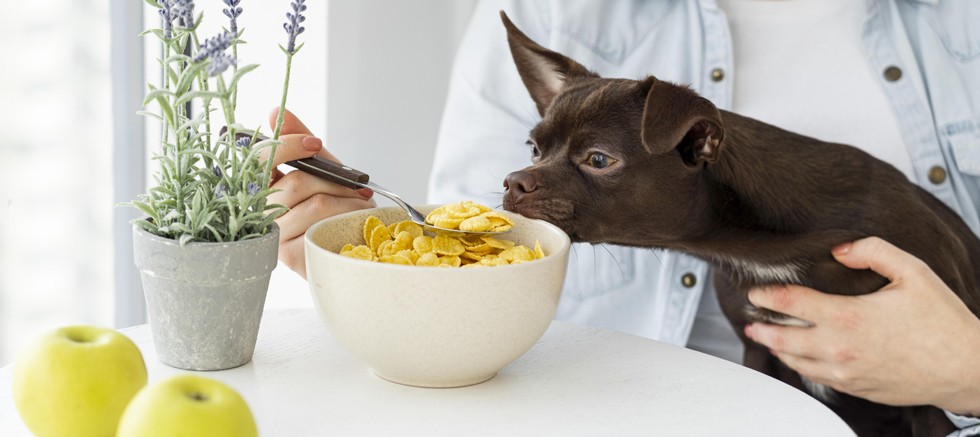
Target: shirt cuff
<point>968,425</point>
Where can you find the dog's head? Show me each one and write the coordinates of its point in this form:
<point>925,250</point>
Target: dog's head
<point>611,156</point>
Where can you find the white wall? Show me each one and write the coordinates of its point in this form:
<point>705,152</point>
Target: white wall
<point>387,73</point>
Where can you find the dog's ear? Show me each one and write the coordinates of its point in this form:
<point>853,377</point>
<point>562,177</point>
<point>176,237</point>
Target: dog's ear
<point>543,71</point>
<point>676,117</point>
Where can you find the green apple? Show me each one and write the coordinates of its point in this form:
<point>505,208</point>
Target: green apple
<point>187,406</point>
<point>76,381</point>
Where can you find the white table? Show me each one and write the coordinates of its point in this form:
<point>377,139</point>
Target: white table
<point>576,380</point>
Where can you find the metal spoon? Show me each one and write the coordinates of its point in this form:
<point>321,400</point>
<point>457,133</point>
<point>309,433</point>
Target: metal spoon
<point>348,177</point>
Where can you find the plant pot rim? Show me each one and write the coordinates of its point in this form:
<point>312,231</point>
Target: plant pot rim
<point>272,233</point>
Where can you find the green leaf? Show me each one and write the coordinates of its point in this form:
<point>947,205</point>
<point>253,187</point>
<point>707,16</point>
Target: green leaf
<point>187,77</point>
<point>186,97</point>
<point>191,124</point>
<point>185,238</point>
<point>172,74</point>
<point>168,112</point>
<point>146,209</point>
<point>157,32</point>
<point>217,235</point>
<point>180,227</point>
<point>203,152</point>
<point>149,114</point>
<point>154,93</point>
<point>172,216</point>
<point>278,207</point>
<point>239,73</point>
<point>146,226</point>
<point>232,225</point>
<point>153,3</point>
<point>179,57</point>
<point>266,143</point>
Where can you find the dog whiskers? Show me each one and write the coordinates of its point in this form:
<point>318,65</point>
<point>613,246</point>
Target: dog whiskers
<point>656,254</point>
<point>611,255</point>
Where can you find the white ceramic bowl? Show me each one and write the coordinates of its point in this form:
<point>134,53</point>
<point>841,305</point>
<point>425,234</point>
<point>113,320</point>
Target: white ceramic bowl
<point>431,326</point>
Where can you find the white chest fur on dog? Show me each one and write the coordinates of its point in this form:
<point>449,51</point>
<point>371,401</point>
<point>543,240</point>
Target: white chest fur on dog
<point>762,273</point>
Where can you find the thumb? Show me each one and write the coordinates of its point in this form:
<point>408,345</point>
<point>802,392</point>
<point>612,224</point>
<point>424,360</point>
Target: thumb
<point>876,254</point>
<point>290,123</point>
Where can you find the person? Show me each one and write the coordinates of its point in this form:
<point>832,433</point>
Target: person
<point>893,77</point>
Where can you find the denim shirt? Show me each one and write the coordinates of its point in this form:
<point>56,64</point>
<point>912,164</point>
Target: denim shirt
<point>935,45</point>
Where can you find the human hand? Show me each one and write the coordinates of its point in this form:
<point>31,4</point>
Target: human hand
<point>913,342</point>
<point>309,198</point>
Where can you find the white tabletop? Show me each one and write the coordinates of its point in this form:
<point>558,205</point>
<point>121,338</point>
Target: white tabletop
<point>576,380</point>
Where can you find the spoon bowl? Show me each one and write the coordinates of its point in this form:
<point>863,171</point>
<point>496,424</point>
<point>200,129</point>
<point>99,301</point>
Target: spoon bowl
<point>351,178</point>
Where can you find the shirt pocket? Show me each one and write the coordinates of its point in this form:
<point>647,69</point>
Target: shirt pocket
<point>956,24</point>
<point>596,269</point>
<point>963,140</point>
<point>964,143</point>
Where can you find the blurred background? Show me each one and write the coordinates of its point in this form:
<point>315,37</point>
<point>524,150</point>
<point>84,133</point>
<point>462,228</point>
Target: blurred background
<point>371,81</point>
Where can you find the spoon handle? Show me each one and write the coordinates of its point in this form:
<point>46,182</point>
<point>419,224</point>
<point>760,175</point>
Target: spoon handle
<point>337,173</point>
<point>318,166</point>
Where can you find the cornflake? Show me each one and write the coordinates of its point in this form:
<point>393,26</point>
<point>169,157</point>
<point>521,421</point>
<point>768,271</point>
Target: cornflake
<point>406,243</point>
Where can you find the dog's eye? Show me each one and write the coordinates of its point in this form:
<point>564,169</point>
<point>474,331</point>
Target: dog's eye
<point>599,160</point>
<point>535,151</point>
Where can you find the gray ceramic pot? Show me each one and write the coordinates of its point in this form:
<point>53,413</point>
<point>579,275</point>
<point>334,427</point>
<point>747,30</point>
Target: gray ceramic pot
<point>205,300</point>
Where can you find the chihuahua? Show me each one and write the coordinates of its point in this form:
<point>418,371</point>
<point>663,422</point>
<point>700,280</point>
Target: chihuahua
<point>648,163</point>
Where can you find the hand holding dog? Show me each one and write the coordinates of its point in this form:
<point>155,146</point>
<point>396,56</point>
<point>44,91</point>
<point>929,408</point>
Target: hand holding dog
<point>309,198</point>
<point>911,343</point>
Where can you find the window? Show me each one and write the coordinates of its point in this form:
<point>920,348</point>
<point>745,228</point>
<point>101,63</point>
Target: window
<point>56,200</point>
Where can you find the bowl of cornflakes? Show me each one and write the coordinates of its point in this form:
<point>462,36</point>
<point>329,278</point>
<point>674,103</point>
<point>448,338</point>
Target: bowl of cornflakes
<point>435,310</point>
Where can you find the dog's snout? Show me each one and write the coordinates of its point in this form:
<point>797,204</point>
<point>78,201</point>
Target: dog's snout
<point>521,182</point>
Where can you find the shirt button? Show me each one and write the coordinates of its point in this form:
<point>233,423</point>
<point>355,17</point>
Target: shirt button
<point>717,75</point>
<point>893,73</point>
<point>937,175</point>
<point>689,280</point>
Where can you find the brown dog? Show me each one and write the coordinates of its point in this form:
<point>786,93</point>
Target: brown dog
<point>648,163</point>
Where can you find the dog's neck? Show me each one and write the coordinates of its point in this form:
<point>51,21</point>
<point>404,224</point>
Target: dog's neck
<point>765,172</point>
<point>761,193</point>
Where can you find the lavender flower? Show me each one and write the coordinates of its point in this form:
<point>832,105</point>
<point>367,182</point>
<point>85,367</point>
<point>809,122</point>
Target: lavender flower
<point>212,46</point>
<point>184,9</point>
<point>166,16</point>
<point>219,190</point>
<point>244,143</point>
<point>217,171</point>
<point>252,188</point>
<point>292,26</point>
<point>219,63</point>
<point>233,12</point>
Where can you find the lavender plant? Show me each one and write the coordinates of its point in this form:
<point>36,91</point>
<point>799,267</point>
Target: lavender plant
<point>211,186</point>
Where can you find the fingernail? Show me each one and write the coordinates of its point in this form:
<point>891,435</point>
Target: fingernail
<point>312,144</point>
<point>842,248</point>
<point>366,193</point>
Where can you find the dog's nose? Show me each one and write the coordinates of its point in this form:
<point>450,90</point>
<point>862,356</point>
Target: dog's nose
<point>520,181</point>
